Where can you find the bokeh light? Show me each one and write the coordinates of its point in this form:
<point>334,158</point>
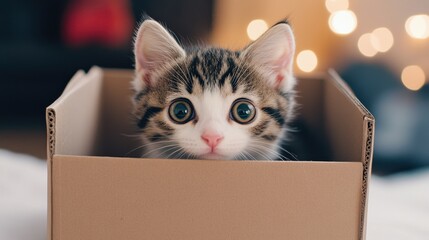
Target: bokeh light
<point>336,5</point>
<point>256,28</point>
<point>343,22</point>
<point>413,77</point>
<point>382,39</point>
<point>417,26</point>
<point>366,46</point>
<point>306,61</point>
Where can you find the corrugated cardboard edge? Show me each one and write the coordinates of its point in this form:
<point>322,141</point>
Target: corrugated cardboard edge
<point>50,113</point>
<point>367,150</point>
<point>50,122</point>
<point>369,126</point>
<point>73,84</point>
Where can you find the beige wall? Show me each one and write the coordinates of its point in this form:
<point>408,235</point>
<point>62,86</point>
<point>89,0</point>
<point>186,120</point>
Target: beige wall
<point>391,14</point>
<point>309,19</point>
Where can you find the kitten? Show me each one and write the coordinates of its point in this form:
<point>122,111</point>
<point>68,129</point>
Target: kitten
<point>213,103</point>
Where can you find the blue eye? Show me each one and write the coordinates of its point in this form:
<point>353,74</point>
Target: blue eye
<point>243,111</point>
<point>181,111</point>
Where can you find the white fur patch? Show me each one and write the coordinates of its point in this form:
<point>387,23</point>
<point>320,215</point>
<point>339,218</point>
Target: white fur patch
<point>213,115</point>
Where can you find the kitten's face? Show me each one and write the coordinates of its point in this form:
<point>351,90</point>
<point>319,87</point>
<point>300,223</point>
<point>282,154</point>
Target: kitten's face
<point>211,103</point>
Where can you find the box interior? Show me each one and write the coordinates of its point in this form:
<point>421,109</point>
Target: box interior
<point>107,128</point>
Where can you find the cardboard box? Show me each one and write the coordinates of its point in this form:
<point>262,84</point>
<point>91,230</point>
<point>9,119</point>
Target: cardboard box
<point>98,190</point>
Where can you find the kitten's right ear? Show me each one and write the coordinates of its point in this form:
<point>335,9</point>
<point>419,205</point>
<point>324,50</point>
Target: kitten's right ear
<point>154,47</point>
<point>273,54</point>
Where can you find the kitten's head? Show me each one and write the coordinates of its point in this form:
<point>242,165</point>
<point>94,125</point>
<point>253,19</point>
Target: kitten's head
<point>212,103</point>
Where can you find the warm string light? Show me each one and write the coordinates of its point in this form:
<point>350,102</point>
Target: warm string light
<point>306,61</point>
<point>413,77</point>
<point>379,40</point>
<point>343,22</point>
<point>365,45</point>
<point>417,26</point>
<point>336,5</point>
<point>382,39</point>
<point>256,28</point>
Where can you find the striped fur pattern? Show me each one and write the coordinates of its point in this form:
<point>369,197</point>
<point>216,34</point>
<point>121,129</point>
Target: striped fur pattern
<point>211,79</point>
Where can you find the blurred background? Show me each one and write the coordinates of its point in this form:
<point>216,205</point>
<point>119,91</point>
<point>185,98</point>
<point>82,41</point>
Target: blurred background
<point>381,48</point>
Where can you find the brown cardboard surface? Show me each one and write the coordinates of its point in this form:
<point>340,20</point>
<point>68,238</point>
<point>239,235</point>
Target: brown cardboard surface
<point>344,117</point>
<point>343,122</point>
<point>108,196</point>
<point>111,198</point>
<point>348,117</point>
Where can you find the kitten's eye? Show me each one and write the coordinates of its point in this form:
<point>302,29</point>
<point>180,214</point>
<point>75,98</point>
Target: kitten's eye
<point>243,111</point>
<point>181,111</point>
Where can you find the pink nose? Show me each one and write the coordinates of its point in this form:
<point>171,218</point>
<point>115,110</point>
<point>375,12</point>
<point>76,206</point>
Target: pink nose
<point>212,139</point>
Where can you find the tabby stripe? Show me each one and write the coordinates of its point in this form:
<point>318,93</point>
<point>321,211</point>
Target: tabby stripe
<point>189,86</point>
<point>260,128</point>
<point>234,84</point>
<point>173,85</point>
<point>180,77</point>
<point>274,113</point>
<point>228,72</point>
<point>211,66</point>
<point>156,137</point>
<point>194,71</point>
<point>139,95</point>
<point>163,125</point>
<point>269,137</point>
<point>150,112</point>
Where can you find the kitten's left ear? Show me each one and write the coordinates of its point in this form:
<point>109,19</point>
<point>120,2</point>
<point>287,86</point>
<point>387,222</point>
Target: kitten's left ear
<point>273,54</point>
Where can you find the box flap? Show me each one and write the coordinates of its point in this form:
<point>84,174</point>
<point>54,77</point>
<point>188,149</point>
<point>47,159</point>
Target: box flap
<point>363,136</point>
<point>50,112</point>
<point>347,91</point>
<point>77,110</point>
<point>74,109</point>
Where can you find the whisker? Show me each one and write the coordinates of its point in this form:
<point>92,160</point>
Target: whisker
<point>163,153</point>
<point>177,150</point>
<point>272,151</point>
<point>131,135</point>
<point>182,154</point>
<point>260,152</point>
<point>156,149</point>
<point>248,155</point>
<point>279,147</point>
<point>149,144</point>
<point>264,145</point>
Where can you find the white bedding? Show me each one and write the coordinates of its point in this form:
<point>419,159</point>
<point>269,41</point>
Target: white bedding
<point>398,208</point>
<point>23,197</point>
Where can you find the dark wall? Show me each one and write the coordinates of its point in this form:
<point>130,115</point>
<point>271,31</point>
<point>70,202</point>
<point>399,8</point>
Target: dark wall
<point>36,62</point>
